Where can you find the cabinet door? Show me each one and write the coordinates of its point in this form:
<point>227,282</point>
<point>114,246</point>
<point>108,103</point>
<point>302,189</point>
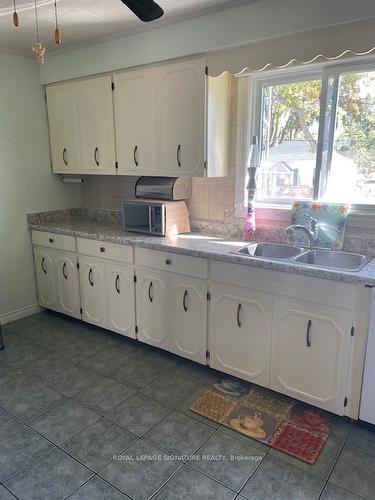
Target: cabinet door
<point>63,129</point>
<point>182,96</point>
<point>44,269</point>
<point>96,125</point>
<point>136,115</point>
<point>240,332</point>
<point>188,313</point>
<point>310,353</point>
<point>153,308</point>
<point>188,318</point>
<point>93,292</point>
<point>67,284</point>
<point>120,299</point>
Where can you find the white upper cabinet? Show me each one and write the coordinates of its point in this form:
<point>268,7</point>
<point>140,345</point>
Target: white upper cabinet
<point>153,122</point>
<point>63,126</point>
<point>310,353</point>
<point>81,126</point>
<point>96,125</point>
<point>135,106</point>
<point>182,111</point>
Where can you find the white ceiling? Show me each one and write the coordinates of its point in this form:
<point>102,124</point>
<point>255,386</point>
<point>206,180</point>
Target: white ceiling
<point>86,21</point>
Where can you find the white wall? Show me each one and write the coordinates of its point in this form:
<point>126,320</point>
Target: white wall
<point>26,182</point>
<point>231,27</point>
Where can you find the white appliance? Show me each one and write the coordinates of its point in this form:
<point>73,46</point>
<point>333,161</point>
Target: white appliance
<point>367,410</point>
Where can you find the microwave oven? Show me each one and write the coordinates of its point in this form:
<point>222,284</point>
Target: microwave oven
<point>158,218</point>
<point>144,217</point>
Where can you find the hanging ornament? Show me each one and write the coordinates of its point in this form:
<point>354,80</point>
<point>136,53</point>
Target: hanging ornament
<point>57,31</point>
<point>16,20</point>
<point>251,188</point>
<point>39,49</point>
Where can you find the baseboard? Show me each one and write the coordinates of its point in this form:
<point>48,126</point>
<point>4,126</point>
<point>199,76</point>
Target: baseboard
<point>20,313</point>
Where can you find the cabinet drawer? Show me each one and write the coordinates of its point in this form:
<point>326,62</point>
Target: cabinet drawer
<point>320,291</point>
<point>110,251</point>
<point>168,261</point>
<point>53,240</point>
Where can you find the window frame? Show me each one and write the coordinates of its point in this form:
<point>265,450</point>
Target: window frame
<point>322,71</point>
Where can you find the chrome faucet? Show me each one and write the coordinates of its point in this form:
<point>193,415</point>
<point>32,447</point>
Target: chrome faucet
<point>311,232</point>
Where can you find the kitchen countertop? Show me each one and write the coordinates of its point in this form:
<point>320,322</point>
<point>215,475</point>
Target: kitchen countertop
<point>193,244</point>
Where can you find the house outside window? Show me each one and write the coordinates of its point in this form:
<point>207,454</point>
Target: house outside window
<point>316,130</point>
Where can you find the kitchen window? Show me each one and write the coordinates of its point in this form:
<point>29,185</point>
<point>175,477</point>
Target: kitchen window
<point>316,131</point>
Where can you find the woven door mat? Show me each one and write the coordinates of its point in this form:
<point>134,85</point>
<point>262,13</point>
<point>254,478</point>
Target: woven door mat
<point>282,423</point>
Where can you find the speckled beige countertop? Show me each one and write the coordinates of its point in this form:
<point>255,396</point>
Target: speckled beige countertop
<point>93,224</point>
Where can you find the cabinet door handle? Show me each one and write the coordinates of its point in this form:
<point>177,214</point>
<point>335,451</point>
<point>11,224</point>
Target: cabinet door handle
<point>239,324</point>
<point>51,240</point>
<point>308,330</point>
<point>117,283</point>
<point>64,271</point>
<point>179,155</point>
<point>64,156</point>
<point>186,294</point>
<point>168,262</point>
<point>91,281</point>
<point>42,265</point>
<point>96,151</point>
<point>135,156</point>
<point>151,286</point>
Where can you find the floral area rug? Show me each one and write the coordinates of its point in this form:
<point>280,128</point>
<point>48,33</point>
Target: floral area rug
<point>276,420</point>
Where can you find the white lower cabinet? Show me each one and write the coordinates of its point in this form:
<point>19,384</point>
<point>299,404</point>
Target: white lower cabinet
<point>240,332</point>
<point>188,318</point>
<point>45,277</point>
<point>172,313</point>
<point>120,299</point>
<point>67,284</point>
<point>152,299</point>
<point>93,291</point>
<point>310,353</point>
<point>297,340</point>
<point>57,280</point>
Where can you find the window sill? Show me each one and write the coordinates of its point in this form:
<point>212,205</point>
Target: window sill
<point>278,213</point>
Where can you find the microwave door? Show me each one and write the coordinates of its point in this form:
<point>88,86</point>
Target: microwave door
<point>137,217</point>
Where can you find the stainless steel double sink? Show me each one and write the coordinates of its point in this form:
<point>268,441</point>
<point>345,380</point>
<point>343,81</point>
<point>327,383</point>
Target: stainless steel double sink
<point>331,259</point>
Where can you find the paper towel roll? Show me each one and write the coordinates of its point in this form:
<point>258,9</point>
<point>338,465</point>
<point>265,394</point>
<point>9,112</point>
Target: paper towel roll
<point>71,180</point>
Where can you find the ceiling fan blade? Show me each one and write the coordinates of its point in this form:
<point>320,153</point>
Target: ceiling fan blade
<point>146,10</point>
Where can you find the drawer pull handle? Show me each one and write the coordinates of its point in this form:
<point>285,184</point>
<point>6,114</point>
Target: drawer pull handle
<point>186,294</point>
<point>64,156</point>
<point>51,240</point>
<point>308,331</point>
<point>96,152</point>
<point>239,324</point>
<point>64,271</point>
<point>102,249</point>
<point>135,156</point>
<point>168,262</point>
<point>117,284</point>
<point>42,265</point>
<point>91,281</point>
<point>178,154</point>
<point>150,288</point>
